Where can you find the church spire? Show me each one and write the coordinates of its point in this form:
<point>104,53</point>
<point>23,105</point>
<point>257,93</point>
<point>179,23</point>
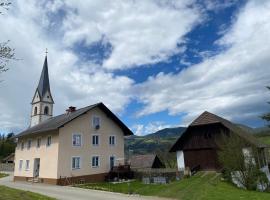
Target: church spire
<point>44,83</point>
<point>42,102</point>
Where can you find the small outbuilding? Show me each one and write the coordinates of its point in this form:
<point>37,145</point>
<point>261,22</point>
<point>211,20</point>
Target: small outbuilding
<point>197,147</point>
<point>9,158</point>
<point>146,161</point>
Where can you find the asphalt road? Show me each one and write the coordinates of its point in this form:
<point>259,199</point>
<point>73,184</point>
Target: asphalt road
<point>69,193</point>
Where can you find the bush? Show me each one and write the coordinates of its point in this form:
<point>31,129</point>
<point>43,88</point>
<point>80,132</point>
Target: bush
<point>238,159</point>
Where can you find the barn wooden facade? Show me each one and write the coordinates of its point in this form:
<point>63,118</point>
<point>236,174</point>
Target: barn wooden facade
<point>198,144</point>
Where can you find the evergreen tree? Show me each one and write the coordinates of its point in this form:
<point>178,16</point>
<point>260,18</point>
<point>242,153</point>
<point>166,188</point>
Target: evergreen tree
<point>7,145</point>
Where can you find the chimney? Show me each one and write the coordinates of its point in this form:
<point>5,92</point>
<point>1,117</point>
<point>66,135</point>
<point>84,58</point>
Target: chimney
<point>70,109</point>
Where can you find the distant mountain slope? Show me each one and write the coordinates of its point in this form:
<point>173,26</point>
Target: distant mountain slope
<point>259,130</point>
<point>161,140</point>
<point>168,132</point>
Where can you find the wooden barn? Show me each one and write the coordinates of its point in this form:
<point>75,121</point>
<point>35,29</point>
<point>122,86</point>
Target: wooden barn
<point>197,147</point>
<point>146,161</point>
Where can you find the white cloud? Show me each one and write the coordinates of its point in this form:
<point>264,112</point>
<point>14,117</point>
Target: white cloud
<point>72,82</point>
<point>140,32</point>
<point>231,84</point>
<point>152,127</point>
<point>217,5</point>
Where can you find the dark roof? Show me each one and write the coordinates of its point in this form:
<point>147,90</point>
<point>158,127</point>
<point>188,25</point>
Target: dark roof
<point>59,121</point>
<point>9,157</point>
<point>44,83</point>
<point>143,161</point>
<point>209,118</point>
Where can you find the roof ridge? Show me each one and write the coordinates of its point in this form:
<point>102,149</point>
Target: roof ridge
<point>61,120</point>
<point>65,114</point>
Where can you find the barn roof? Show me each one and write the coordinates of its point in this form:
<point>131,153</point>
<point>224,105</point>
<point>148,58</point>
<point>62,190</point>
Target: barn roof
<point>207,118</point>
<point>61,120</point>
<point>143,161</point>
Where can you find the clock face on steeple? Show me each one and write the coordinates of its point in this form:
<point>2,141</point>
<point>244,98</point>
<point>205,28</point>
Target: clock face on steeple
<point>42,102</point>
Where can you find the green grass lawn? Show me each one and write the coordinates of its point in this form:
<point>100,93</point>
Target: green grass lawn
<point>264,139</point>
<point>13,194</point>
<point>3,175</point>
<point>199,187</point>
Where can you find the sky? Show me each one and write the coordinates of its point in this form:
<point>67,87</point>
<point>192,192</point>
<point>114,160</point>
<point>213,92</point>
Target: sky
<point>154,63</point>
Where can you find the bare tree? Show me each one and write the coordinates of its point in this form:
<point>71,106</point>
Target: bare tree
<point>267,115</point>
<point>4,5</point>
<point>6,52</point>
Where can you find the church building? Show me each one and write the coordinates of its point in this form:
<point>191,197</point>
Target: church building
<point>80,145</point>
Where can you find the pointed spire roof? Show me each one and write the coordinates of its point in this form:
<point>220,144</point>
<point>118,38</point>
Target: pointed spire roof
<point>44,83</point>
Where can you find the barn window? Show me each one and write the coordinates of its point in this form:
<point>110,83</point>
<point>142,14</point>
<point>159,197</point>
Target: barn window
<point>46,110</point>
<point>35,111</point>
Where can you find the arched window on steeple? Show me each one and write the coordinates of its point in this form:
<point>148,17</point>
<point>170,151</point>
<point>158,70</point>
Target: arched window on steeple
<point>35,111</point>
<point>46,110</point>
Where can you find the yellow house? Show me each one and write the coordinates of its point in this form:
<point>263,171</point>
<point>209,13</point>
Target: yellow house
<point>79,145</point>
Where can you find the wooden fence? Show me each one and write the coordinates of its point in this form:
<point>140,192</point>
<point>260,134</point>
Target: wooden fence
<point>8,167</point>
<point>169,174</point>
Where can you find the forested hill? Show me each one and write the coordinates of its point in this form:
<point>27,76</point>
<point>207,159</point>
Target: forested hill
<point>151,143</point>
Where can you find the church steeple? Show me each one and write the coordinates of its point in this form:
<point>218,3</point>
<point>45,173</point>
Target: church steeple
<point>42,102</point>
<point>44,83</point>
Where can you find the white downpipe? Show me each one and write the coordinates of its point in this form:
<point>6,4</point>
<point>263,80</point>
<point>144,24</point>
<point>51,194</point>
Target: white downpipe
<point>180,160</point>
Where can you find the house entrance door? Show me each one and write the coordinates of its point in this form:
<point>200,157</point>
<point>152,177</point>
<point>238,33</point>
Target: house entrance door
<point>112,160</point>
<point>36,167</point>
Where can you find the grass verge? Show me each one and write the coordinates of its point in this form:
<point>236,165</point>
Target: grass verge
<point>203,186</point>
<point>3,175</point>
<point>7,193</point>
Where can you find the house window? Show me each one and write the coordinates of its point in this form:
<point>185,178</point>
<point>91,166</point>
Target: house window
<point>112,140</point>
<point>77,140</point>
<point>95,140</point>
<point>38,142</point>
<point>35,111</point>
<point>29,142</point>
<point>76,162</point>
<point>49,141</point>
<point>46,110</point>
<point>22,145</point>
<point>96,122</point>
<point>20,164</point>
<point>95,161</point>
<point>27,165</point>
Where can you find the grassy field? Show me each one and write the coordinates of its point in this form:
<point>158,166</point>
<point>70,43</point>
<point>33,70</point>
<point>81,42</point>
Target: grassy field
<point>3,175</point>
<point>203,186</point>
<point>13,194</point>
<point>264,139</point>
